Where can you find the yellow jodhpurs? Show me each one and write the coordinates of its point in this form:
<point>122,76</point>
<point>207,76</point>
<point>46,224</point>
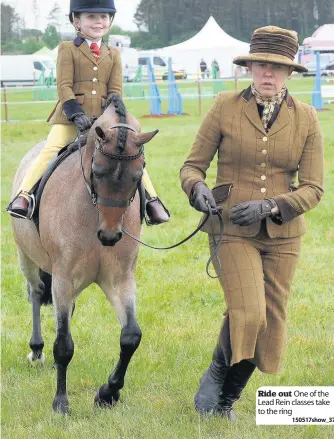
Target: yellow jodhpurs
<point>148,184</point>
<point>59,136</point>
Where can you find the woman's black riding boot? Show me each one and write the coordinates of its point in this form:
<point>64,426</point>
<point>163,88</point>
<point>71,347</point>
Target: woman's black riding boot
<point>212,381</point>
<point>235,381</point>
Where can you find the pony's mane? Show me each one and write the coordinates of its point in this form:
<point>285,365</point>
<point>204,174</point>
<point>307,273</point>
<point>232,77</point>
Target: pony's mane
<point>116,102</point>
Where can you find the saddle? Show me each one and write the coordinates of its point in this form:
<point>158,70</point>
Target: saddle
<point>63,154</point>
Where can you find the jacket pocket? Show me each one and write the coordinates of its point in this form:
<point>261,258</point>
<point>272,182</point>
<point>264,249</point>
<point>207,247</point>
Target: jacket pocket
<point>80,97</point>
<point>222,192</point>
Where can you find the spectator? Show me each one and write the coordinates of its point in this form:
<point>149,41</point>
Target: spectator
<point>203,66</point>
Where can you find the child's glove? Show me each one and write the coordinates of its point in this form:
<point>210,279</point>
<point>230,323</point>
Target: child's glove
<point>81,121</point>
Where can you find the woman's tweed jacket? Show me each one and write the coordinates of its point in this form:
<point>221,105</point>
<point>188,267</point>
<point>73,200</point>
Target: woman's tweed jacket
<point>259,164</point>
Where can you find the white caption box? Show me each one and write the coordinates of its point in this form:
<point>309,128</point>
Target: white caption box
<point>292,405</point>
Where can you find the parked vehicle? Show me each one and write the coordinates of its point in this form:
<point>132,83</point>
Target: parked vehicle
<point>160,66</point>
<point>26,69</point>
<point>330,68</point>
<point>129,57</point>
<point>325,68</point>
<point>178,74</point>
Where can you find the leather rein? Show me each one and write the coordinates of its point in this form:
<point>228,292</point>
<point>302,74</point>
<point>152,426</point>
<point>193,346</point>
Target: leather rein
<point>96,199</point>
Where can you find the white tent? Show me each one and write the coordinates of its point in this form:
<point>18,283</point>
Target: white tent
<point>211,42</point>
<point>44,51</point>
<point>322,38</point>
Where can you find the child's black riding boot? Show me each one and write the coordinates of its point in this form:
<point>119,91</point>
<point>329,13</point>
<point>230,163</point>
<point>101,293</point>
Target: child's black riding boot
<point>156,211</point>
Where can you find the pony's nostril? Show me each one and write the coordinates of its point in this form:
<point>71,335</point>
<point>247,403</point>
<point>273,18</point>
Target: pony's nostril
<point>109,238</point>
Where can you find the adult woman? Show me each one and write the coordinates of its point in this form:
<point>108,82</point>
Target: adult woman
<point>264,138</point>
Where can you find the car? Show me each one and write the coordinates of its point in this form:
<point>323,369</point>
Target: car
<point>329,68</point>
<point>325,68</point>
<point>178,74</point>
<point>18,70</point>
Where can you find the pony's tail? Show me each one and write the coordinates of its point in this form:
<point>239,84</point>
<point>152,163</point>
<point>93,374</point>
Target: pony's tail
<point>46,278</point>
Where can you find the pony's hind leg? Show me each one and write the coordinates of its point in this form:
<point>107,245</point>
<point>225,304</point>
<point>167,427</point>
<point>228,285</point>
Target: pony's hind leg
<point>38,293</point>
<point>63,348</point>
<point>124,303</point>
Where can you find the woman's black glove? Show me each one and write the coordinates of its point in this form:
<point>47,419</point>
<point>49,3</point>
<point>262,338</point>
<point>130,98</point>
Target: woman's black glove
<point>245,214</point>
<point>200,196</point>
<point>82,121</point>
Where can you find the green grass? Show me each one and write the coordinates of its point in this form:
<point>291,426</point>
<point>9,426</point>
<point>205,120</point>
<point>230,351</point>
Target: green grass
<point>179,310</point>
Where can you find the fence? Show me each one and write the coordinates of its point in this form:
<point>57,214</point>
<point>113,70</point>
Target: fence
<point>19,105</point>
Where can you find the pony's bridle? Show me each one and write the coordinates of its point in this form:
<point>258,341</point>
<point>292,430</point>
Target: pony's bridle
<point>125,203</point>
<point>96,199</point>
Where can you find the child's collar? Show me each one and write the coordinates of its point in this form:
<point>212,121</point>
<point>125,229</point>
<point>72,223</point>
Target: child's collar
<point>78,40</point>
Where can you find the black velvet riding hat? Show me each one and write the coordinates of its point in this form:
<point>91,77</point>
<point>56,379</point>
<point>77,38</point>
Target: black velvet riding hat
<point>91,6</point>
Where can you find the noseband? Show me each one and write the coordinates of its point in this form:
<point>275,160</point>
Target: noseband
<point>96,199</point>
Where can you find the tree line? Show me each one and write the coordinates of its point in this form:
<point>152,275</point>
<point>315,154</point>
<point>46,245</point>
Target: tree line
<point>174,21</point>
<point>16,38</point>
<point>161,23</point>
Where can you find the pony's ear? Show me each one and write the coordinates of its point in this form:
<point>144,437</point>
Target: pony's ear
<point>145,137</point>
<point>99,131</point>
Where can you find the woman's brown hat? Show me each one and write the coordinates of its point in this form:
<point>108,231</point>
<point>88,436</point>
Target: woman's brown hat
<point>273,44</point>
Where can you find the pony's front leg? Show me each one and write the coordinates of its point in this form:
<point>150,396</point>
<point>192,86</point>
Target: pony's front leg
<point>123,299</point>
<point>63,348</point>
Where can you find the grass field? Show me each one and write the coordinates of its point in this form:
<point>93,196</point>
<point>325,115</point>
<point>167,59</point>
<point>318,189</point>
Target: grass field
<point>179,310</point>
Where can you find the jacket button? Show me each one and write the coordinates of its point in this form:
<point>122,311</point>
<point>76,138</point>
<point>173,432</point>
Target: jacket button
<point>93,92</point>
<point>94,79</point>
<point>265,139</point>
<point>95,68</point>
<point>263,190</point>
<point>263,165</point>
<point>263,177</point>
<point>264,152</point>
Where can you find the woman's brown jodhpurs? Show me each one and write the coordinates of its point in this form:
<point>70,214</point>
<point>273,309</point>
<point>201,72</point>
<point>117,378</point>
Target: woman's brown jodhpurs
<point>256,276</point>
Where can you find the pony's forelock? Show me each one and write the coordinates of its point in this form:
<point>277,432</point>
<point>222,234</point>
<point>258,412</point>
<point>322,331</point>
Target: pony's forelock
<point>116,102</point>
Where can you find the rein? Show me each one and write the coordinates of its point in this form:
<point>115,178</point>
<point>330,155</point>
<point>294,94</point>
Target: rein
<point>198,228</point>
<point>96,199</point>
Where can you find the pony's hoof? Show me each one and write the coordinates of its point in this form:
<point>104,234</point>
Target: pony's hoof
<point>36,359</point>
<point>60,405</point>
<point>105,398</point>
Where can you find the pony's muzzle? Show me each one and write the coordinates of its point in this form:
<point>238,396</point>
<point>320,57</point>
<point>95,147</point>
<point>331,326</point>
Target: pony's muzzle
<point>108,238</point>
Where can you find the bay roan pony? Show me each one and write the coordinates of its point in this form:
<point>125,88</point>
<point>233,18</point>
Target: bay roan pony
<point>76,241</point>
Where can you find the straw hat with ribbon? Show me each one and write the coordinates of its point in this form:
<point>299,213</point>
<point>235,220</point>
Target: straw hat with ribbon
<point>273,44</point>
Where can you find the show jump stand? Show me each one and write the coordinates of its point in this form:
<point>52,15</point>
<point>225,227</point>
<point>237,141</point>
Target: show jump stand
<point>320,91</point>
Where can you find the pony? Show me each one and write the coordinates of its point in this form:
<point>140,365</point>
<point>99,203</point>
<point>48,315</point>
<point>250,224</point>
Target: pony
<point>85,203</point>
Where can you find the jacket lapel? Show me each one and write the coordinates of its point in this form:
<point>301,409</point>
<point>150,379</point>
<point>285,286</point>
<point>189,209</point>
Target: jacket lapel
<point>252,114</point>
<point>104,51</point>
<point>282,119</point>
<point>87,52</point>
